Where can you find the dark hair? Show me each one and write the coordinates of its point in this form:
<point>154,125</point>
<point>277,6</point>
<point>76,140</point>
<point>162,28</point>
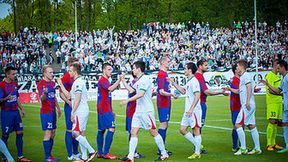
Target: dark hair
<point>140,64</point>
<point>9,68</point>
<point>243,63</point>
<point>283,63</point>
<point>77,67</point>
<point>105,65</point>
<point>72,60</point>
<point>234,66</point>
<point>201,62</point>
<point>191,66</point>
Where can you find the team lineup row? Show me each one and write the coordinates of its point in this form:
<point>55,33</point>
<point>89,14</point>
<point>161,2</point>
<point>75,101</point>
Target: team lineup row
<point>139,109</point>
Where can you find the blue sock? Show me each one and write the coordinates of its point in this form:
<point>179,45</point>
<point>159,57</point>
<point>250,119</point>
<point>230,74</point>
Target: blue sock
<point>162,133</point>
<point>47,146</point>
<point>234,139</point>
<point>100,140</point>
<point>5,139</point>
<point>51,144</point>
<point>108,142</point>
<point>68,142</point>
<point>19,144</point>
<point>75,146</point>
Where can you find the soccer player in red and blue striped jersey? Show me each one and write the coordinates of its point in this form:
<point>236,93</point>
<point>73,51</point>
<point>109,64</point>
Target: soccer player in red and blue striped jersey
<point>10,115</point>
<point>71,143</point>
<point>234,106</point>
<point>106,116</point>
<point>164,97</point>
<point>204,91</point>
<point>46,90</point>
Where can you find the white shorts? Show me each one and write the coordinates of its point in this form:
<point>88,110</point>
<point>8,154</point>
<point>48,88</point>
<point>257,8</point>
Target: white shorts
<point>80,122</point>
<point>246,117</point>
<point>285,116</point>
<point>145,120</point>
<point>193,121</point>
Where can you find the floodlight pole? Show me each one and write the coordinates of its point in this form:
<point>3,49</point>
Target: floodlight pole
<point>76,30</point>
<point>256,44</point>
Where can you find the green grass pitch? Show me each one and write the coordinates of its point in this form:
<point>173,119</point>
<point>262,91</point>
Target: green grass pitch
<point>216,135</point>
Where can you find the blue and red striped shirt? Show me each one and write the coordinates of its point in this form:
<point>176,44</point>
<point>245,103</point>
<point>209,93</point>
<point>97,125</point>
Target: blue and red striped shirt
<point>235,98</point>
<point>67,81</point>
<point>47,106</point>
<point>162,83</point>
<point>104,100</point>
<point>131,106</point>
<point>203,87</point>
<point>7,89</point>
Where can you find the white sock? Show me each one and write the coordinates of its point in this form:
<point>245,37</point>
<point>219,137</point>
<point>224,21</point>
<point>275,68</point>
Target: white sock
<point>197,144</point>
<point>132,147</point>
<point>241,136</point>
<point>5,151</point>
<point>285,133</point>
<point>255,137</point>
<point>83,151</point>
<point>83,140</point>
<point>160,143</point>
<point>189,137</point>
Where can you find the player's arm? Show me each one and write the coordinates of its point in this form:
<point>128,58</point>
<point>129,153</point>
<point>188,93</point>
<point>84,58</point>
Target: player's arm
<point>195,101</point>
<point>65,99</point>
<point>208,92</point>
<point>116,84</point>
<point>43,92</point>
<point>58,108</point>
<point>135,97</point>
<point>64,90</point>
<point>234,90</point>
<point>128,87</point>
<point>272,90</point>
<point>21,108</point>
<point>249,93</point>
<point>178,87</point>
<point>164,93</point>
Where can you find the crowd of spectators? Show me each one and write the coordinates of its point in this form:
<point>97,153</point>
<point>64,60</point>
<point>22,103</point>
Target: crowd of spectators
<point>30,49</point>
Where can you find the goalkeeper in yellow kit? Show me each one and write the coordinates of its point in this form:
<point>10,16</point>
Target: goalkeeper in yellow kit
<point>274,108</point>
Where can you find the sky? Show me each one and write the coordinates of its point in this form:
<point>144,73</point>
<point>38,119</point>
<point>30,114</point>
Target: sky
<point>4,10</point>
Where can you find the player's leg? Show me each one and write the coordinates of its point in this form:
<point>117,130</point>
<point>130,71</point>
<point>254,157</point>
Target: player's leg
<point>234,115</point>
<point>250,120</point>
<point>19,138</point>
<point>285,131</point>
<point>203,118</point>
<point>184,129</point>
<point>6,126</point>
<point>270,131</point>
<point>148,121</point>
<point>133,142</point>
<point>47,127</point>
<point>5,151</point>
<point>241,133</point>
<point>100,136</point>
<point>70,142</point>
<point>110,125</point>
<point>164,117</point>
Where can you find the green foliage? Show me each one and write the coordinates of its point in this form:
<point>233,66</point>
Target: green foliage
<point>48,15</point>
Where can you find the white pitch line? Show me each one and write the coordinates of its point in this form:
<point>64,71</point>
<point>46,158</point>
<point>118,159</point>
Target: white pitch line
<point>173,122</point>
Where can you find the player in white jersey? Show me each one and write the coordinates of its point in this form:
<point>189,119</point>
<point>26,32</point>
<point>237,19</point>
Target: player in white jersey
<point>144,114</point>
<point>193,112</point>
<point>80,110</point>
<point>246,115</point>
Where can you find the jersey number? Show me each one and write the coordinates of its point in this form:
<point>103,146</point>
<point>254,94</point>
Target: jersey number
<point>273,114</point>
<point>7,129</point>
<point>49,125</point>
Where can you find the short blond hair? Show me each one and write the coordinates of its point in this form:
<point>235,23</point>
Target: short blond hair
<point>45,67</point>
